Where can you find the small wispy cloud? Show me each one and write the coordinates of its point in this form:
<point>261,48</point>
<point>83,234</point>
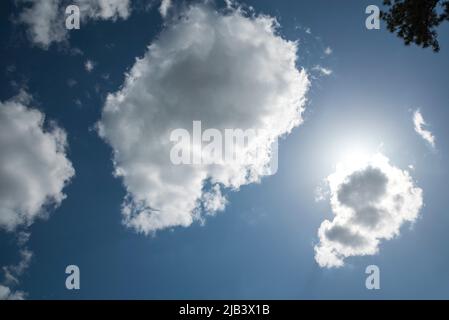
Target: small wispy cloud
<point>13,272</point>
<point>89,65</point>
<point>328,51</point>
<point>165,6</point>
<point>7,294</point>
<point>321,193</point>
<point>324,71</point>
<point>419,124</point>
<point>72,82</point>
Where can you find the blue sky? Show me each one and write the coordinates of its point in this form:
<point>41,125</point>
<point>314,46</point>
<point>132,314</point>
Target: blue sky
<point>262,245</point>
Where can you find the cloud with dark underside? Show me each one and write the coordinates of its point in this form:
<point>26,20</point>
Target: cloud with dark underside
<point>370,202</point>
<point>225,69</point>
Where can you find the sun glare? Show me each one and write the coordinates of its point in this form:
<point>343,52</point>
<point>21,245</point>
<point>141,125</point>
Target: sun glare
<point>356,157</point>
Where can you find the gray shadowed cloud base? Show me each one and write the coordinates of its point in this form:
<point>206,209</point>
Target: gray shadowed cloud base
<point>370,202</point>
<point>229,71</point>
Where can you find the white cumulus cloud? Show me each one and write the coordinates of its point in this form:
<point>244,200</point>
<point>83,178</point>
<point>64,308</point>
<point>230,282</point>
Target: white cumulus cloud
<point>33,165</point>
<point>370,201</point>
<point>420,124</point>
<point>227,70</point>
<point>45,20</point>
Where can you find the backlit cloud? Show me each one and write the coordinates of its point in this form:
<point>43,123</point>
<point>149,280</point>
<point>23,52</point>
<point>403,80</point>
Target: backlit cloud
<point>370,201</point>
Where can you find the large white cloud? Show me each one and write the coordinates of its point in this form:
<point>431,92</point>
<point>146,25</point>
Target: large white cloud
<point>33,165</point>
<point>45,20</point>
<point>227,70</point>
<point>371,200</point>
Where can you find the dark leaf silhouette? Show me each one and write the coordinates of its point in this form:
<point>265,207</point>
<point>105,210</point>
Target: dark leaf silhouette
<point>415,21</point>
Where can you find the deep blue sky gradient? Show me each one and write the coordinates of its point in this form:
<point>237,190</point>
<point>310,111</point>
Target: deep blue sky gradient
<point>262,245</point>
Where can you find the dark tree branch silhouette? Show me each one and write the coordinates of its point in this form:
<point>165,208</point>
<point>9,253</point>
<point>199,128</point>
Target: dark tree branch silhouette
<point>415,21</point>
